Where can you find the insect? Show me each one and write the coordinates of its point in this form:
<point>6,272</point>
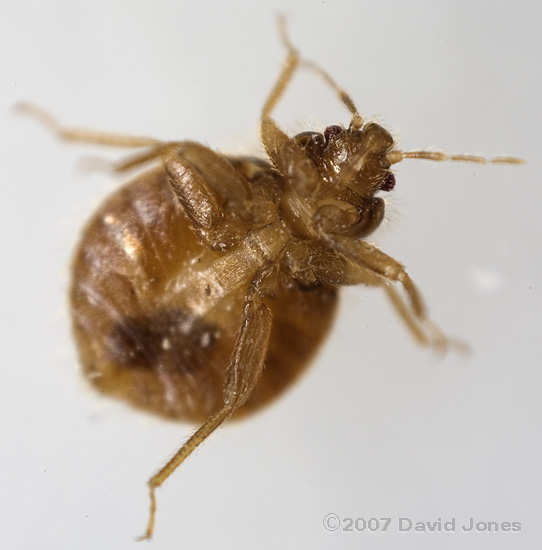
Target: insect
<point>203,287</point>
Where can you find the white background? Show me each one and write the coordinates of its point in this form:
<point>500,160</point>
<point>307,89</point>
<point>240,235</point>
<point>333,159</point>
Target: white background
<point>378,427</point>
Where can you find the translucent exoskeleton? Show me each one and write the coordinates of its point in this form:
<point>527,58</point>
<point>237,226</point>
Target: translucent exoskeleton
<point>199,273</point>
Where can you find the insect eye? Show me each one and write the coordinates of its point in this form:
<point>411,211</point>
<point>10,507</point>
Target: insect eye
<point>331,131</point>
<point>388,183</point>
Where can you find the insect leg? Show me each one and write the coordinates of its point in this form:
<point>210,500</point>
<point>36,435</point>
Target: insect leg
<point>290,159</point>
<point>155,152</point>
<point>243,372</point>
<point>288,69</point>
<point>369,265</point>
<point>156,481</point>
<point>83,135</point>
<point>334,271</point>
<point>293,61</point>
<point>203,181</point>
<point>436,339</point>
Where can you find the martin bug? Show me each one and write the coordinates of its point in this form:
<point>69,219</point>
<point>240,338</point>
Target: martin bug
<point>202,288</point>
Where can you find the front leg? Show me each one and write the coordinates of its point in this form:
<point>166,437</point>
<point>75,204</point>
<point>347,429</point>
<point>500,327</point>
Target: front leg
<point>359,262</point>
<point>381,264</point>
<point>244,369</point>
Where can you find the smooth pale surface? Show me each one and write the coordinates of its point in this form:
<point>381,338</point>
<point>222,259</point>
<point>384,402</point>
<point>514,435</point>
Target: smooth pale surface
<point>378,427</point>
